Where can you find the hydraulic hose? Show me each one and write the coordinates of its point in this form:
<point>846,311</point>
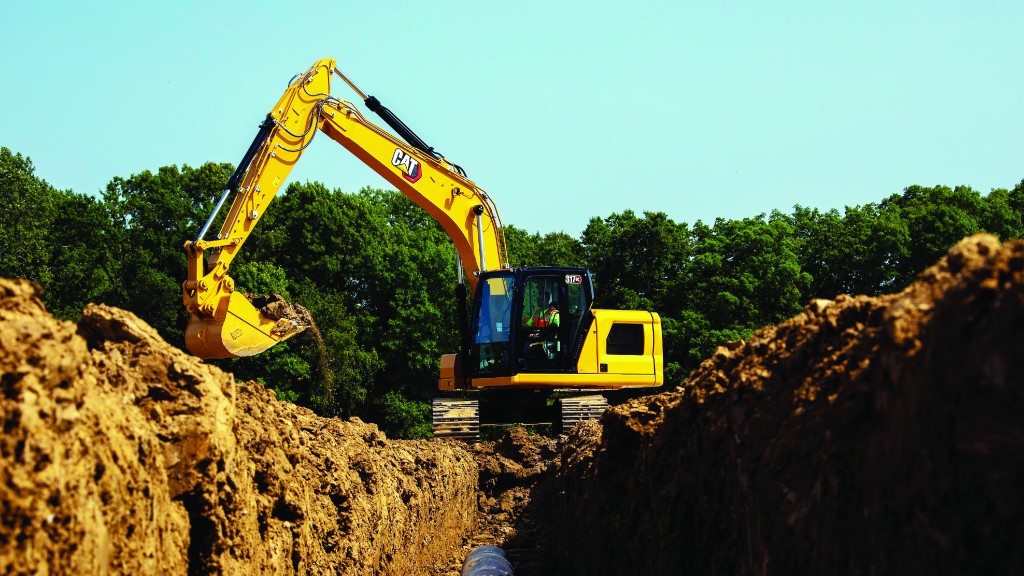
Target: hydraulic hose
<point>487,561</point>
<point>236,178</point>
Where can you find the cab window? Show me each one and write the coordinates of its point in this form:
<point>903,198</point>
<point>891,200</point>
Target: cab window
<point>491,346</point>
<point>626,339</point>
<point>540,344</point>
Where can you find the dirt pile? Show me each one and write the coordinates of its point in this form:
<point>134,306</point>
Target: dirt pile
<point>121,454</point>
<point>291,318</point>
<point>864,436</point>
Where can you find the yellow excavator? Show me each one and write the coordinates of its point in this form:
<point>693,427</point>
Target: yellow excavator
<point>527,332</point>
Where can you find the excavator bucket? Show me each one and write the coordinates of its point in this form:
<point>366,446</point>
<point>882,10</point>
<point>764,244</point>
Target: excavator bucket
<point>238,328</point>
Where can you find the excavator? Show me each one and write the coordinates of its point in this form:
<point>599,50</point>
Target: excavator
<point>527,332</point>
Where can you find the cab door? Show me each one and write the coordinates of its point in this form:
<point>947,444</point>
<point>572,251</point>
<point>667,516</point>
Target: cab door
<point>553,307</point>
<point>491,350</point>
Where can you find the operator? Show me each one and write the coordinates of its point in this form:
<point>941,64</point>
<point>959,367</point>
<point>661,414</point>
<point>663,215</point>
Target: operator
<point>545,318</point>
<point>542,328</point>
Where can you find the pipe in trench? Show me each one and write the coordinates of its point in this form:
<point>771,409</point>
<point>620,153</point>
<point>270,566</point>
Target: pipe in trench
<point>487,561</point>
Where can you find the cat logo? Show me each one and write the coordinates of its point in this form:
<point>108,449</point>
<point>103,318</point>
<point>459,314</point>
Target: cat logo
<point>409,166</point>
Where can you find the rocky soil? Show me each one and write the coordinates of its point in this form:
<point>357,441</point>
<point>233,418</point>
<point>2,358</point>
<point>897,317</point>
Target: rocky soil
<point>864,436</point>
<point>122,454</point>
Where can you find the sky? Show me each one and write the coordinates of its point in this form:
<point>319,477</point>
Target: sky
<point>563,111</point>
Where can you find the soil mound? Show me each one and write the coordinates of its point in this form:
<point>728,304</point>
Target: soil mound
<point>122,454</point>
<point>864,436</point>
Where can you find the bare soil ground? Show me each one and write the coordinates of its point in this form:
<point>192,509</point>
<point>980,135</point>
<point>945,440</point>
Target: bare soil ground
<point>513,502</point>
<point>865,435</point>
<point>122,454</point>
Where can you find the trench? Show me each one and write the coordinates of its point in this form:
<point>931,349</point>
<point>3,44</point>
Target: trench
<point>875,435</point>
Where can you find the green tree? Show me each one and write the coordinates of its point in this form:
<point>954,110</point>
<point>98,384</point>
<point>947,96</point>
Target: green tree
<point>418,313</point>
<point>552,249</point>
<point>1002,212</point>
<point>402,417</point>
<point>26,219</point>
<point>152,215</point>
<point>523,247</point>
<point>81,266</point>
<point>560,249</point>
<point>936,219</point>
<point>860,252</point>
<point>56,238</point>
<point>634,260</point>
<point>743,274</point>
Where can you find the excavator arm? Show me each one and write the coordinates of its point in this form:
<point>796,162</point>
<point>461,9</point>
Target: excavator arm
<point>224,323</point>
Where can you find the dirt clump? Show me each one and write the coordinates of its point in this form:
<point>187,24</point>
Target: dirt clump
<point>867,435</point>
<point>122,454</point>
<point>291,318</point>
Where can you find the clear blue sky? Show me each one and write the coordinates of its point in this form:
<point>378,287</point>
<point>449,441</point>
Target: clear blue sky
<point>561,110</point>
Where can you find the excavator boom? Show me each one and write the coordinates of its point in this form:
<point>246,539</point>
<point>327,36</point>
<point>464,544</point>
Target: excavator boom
<point>223,322</point>
<point>529,330</point>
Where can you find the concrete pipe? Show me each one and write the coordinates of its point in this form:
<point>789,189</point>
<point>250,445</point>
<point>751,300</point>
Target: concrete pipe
<point>487,561</point>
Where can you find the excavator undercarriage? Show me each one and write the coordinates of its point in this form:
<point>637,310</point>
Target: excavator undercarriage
<point>460,418</point>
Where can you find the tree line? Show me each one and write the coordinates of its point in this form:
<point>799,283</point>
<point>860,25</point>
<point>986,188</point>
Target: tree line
<point>378,273</point>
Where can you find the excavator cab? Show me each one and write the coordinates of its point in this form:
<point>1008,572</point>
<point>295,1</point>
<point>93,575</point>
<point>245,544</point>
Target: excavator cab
<point>528,320</point>
<point>532,332</point>
<point>536,328</point>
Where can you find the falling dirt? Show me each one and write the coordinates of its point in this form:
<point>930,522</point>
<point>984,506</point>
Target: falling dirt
<point>292,319</point>
<point>864,436</point>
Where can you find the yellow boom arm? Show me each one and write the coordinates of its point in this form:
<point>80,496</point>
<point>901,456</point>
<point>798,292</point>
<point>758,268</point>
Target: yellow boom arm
<point>224,323</point>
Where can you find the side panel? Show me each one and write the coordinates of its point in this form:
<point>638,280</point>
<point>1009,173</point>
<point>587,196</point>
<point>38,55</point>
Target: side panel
<point>622,349</point>
<point>626,342</point>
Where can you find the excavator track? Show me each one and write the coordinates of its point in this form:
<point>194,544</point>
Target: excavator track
<point>456,418</point>
<point>580,408</point>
